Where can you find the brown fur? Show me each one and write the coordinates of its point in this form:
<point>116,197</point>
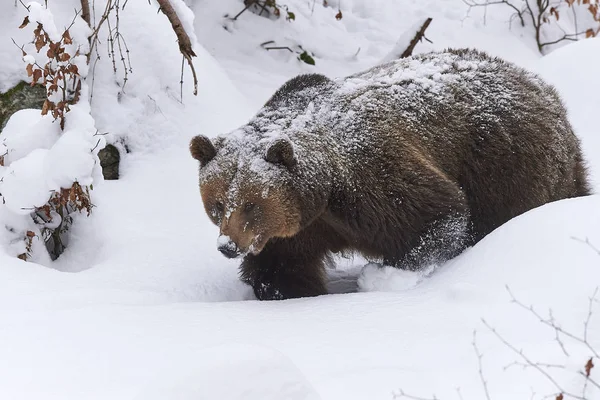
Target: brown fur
<point>413,180</point>
<point>256,220</point>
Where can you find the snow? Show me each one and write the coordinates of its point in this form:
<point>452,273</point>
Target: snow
<point>577,90</point>
<point>40,14</point>
<point>376,277</point>
<point>143,306</point>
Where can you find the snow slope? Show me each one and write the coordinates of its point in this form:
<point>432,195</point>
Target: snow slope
<point>68,337</point>
<point>142,305</point>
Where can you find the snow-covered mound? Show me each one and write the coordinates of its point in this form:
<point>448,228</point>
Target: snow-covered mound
<point>74,335</point>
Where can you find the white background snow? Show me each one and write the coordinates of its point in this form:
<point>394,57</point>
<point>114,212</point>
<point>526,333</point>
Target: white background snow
<point>142,306</point>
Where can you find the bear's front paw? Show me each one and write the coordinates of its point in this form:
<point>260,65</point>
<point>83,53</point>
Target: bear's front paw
<point>266,291</point>
<point>270,291</point>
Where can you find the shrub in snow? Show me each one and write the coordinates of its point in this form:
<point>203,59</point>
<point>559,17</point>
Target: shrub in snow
<point>271,9</point>
<point>268,9</point>
<point>553,22</point>
<point>50,157</point>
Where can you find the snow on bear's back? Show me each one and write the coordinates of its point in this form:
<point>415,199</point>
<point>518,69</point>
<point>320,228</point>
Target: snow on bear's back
<point>313,112</point>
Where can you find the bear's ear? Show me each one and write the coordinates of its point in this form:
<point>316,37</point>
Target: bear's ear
<point>281,151</point>
<point>202,149</point>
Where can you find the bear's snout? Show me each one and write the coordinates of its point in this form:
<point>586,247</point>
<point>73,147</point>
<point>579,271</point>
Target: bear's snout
<point>227,247</point>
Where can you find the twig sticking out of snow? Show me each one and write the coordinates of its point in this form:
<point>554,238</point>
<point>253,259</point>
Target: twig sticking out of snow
<point>185,44</point>
<point>480,363</point>
<point>401,395</point>
<point>588,243</point>
<point>543,368</point>
<point>407,42</point>
<point>418,36</point>
<point>560,331</point>
<point>542,12</point>
<point>528,363</point>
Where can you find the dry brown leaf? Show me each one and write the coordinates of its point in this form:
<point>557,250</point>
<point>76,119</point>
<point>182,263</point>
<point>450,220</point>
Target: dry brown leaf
<point>25,22</point>
<point>37,74</point>
<point>588,367</point>
<point>67,37</point>
<point>39,43</point>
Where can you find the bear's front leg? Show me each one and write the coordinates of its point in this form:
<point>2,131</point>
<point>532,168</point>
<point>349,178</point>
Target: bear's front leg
<point>288,267</point>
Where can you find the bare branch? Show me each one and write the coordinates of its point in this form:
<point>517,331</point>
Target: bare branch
<point>479,361</point>
<point>96,30</point>
<point>401,394</point>
<point>85,12</point>
<point>185,44</point>
<point>532,364</point>
<point>23,4</point>
<point>588,243</point>
<point>418,36</point>
<point>519,13</point>
<point>250,3</point>
<point>551,323</point>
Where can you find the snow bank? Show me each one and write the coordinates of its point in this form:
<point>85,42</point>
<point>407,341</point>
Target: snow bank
<point>103,336</point>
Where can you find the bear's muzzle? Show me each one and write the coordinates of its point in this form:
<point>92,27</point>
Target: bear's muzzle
<point>228,247</point>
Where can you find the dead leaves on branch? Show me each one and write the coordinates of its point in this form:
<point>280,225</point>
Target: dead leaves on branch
<point>62,80</point>
<point>59,75</point>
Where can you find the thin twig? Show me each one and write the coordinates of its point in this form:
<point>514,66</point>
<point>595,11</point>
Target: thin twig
<point>557,328</point>
<point>518,12</point>
<point>588,243</point>
<point>279,48</point>
<point>23,4</point>
<point>533,365</point>
<point>402,394</point>
<point>480,364</point>
<point>181,79</point>
<point>250,3</point>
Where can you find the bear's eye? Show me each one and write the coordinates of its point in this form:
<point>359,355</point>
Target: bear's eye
<point>248,207</point>
<point>219,206</point>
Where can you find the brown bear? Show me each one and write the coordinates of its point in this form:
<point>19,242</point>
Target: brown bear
<point>408,163</point>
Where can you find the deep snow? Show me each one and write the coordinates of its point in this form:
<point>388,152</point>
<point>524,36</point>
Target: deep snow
<point>142,305</point>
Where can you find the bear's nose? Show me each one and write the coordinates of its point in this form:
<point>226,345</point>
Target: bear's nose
<point>227,247</point>
<point>228,252</point>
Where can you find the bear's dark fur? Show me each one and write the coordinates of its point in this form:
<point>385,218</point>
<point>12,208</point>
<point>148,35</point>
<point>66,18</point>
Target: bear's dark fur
<point>408,163</point>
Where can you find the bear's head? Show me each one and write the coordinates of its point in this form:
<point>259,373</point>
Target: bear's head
<point>247,189</point>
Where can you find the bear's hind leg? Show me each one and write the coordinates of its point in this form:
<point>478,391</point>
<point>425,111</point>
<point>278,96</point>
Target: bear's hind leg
<point>440,241</point>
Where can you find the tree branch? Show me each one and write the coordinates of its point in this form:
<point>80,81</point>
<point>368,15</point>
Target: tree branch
<point>185,44</point>
<point>418,36</point>
<point>85,12</point>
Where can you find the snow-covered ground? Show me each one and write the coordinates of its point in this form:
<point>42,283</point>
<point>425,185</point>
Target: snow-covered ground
<point>143,306</point>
